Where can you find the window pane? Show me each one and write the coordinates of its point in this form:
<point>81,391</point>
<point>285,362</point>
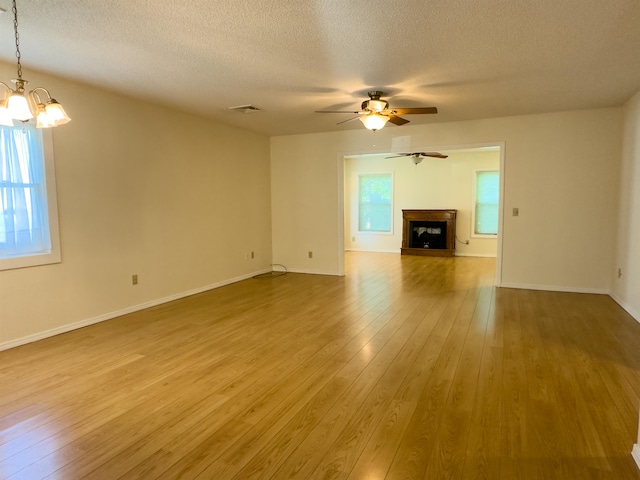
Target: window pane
<point>486,219</point>
<point>487,198</point>
<point>488,187</point>
<point>24,226</point>
<point>375,194</point>
<point>375,218</point>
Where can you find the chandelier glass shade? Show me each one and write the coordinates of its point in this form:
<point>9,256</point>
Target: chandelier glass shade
<point>19,105</point>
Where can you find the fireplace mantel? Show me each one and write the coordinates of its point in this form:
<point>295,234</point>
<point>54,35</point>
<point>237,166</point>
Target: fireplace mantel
<point>429,232</point>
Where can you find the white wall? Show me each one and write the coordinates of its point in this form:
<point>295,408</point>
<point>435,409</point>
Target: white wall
<point>561,171</point>
<point>433,184</point>
<point>626,289</point>
<point>175,198</point>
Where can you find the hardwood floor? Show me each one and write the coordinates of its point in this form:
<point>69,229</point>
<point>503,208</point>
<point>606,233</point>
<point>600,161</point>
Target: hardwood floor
<point>406,368</point>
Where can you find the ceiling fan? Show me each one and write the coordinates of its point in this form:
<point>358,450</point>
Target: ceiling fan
<point>376,113</point>
<point>417,157</point>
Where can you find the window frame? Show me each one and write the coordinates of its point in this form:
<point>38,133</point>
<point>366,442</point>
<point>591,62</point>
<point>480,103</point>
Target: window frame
<point>475,203</point>
<point>54,256</point>
<point>391,205</point>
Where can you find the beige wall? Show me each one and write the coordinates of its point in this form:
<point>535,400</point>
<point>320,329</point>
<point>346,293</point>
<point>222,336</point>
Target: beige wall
<point>180,201</point>
<point>433,184</point>
<point>626,289</point>
<point>561,171</point>
<point>177,199</point>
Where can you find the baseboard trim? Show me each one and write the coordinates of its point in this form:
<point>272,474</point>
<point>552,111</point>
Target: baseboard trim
<point>626,307</point>
<point>555,288</point>
<point>635,453</point>
<point>118,313</point>
<point>312,272</point>
<point>480,255</point>
<point>135,308</point>
<point>371,251</point>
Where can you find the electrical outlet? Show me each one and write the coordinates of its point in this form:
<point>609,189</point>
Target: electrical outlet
<point>516,211</point>
<point>619,273</point>
<point>310,254</point>
<point>353,239</point>
<point>134,279</point>
<point>253,255</point>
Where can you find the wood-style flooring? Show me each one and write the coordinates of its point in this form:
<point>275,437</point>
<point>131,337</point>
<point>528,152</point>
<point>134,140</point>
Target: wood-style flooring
<point>406,368</point>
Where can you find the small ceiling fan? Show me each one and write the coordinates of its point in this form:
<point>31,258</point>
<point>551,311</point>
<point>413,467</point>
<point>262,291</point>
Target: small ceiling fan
<point>417,157</point>
<point>376,113</point>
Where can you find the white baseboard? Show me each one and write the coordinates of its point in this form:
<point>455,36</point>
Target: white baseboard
<point>118,313</point>
<point>371,251</point>
<point>482,255</point>
<point>626,307</point>
<point>635,453</point>
<point>313,272</point>
<point>555,288</point>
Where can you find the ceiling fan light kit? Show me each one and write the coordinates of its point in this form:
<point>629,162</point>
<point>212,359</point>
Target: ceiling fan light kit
<point>375,112</point>
<point>374,121</point>
<point>374,104</point>
<point>18,105</point>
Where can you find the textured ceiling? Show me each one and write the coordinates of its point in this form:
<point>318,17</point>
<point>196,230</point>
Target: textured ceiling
<point>470,58</point>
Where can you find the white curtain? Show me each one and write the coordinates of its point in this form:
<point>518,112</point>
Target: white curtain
<point>24,228</point>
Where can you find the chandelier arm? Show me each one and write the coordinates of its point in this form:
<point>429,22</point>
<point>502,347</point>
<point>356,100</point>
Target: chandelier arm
<point>34,93</point>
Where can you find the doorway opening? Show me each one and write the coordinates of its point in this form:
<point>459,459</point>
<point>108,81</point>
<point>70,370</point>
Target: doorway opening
<point>433,184</point>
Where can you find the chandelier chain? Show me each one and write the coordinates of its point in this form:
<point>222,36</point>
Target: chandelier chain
<point>15,29</point>
<point>19,105</point>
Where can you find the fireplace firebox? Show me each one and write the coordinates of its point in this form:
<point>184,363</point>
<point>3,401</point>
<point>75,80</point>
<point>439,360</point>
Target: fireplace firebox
<point>429,232</point>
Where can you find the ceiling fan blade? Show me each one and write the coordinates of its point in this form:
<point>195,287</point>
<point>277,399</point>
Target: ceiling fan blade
<point>337,111</point>
<point>397,120</point>
<point>420,154</point>
<point>414,111</point>
<point>433,154</point>
<point>347,120</point>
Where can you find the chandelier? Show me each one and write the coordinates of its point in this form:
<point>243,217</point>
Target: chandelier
<point>18,105</point>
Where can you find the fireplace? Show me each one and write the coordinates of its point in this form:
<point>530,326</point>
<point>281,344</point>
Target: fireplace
<point>429,232</point>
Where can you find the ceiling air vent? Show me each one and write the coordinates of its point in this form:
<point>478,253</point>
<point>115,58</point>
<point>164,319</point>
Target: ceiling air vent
<point>245,109</point>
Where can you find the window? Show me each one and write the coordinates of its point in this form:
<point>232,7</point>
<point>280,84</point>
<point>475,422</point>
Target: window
<point>28,216</point>
<point>375,192</point>
<point>486,203</point>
